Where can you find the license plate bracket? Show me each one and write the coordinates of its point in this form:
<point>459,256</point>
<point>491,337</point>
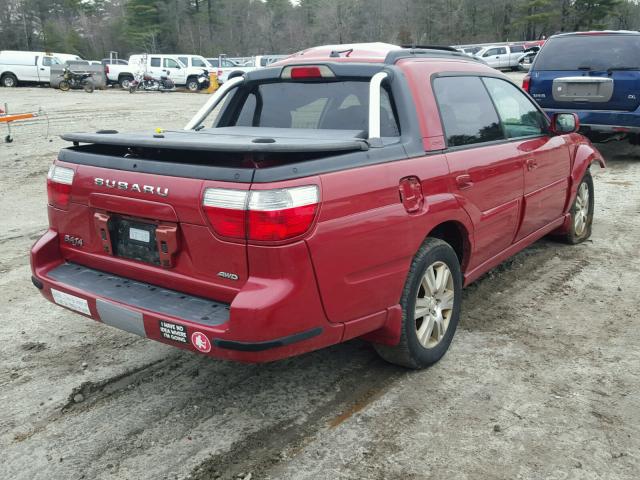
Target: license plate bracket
<point>134,239</point>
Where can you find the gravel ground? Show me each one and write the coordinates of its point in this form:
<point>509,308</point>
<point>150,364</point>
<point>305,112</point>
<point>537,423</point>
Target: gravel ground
<point>542,379</point>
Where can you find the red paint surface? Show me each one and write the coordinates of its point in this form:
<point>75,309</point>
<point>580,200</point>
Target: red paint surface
<point>346,273</point>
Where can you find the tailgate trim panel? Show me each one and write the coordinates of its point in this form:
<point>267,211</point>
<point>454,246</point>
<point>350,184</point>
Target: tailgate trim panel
<point>141,295</point>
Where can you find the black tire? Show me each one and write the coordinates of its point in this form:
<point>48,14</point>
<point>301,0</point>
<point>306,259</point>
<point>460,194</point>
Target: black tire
<point>125,82</point>
<point>410,352</point>
<point>576,235</point>
<point>89,87</point>
<point>64,86</point>
<point>634,139</point>
<point>9,80</point>
<point>193,85</point>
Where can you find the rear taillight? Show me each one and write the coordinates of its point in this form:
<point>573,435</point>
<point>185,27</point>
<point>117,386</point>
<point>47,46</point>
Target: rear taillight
<point>59,180</point>
<point>526,83</point>
<point>261,215</point>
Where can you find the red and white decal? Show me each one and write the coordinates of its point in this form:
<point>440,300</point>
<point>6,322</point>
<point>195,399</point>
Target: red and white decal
<point>201,342</point>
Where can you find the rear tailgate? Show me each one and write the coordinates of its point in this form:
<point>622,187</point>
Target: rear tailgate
<point>164,209</point>
<point>617,90</point>
<point>150,228</point>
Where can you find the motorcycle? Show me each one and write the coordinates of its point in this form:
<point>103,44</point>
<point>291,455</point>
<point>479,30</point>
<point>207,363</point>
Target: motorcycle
<point>145,81</point>
<point>76,80</point>
<point>202,81</point>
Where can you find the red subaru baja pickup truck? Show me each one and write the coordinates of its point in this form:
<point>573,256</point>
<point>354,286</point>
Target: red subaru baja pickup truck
<point>347,191</point>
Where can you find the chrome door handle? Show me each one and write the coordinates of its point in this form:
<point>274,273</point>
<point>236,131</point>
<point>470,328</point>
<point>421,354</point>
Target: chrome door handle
<point>531,164</point>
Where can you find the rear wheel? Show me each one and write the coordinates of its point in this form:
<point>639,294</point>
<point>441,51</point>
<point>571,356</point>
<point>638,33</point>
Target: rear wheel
<point>582,212</point>
<point>64,86</point>
<point>430,307</point>
<point>9,80</point>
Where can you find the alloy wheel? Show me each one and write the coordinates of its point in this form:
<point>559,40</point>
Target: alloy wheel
<point>434,304</point>
<point>581,214</point>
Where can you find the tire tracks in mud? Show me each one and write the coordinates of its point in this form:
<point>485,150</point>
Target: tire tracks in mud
<point>265,448</point>
<point>95,392</point>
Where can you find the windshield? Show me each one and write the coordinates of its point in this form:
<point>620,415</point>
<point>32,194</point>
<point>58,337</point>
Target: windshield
<point>342,105</point>
<point>590,52</point>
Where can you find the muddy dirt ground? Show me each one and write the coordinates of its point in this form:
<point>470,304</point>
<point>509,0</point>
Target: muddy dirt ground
<point>542,380</point>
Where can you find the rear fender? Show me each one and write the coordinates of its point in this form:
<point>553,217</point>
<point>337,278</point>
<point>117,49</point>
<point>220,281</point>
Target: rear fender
<point>439,209</point>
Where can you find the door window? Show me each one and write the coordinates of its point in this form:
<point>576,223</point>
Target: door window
<point>468,115</point>
<point>491,52</point>
<point>184,60</point>
<point>196,62</point>
<point>170,63</point>
<point>518,114</point>
<point>155,61</point>
<point>502,51</point>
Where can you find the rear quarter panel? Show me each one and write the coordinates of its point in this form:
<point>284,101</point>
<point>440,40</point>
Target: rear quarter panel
<point>365,240</point>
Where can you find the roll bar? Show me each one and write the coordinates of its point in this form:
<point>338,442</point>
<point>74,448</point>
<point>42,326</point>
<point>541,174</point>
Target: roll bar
<point>374,105</point>
<point>213,102</point>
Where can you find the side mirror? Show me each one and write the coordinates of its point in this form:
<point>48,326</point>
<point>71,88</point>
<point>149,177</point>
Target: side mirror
<point>562,123</point>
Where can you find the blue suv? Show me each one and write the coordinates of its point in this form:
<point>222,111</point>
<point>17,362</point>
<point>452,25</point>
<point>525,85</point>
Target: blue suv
<point>596,75</point>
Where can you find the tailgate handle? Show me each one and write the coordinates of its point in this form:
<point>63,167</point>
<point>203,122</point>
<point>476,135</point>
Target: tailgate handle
<point>167,240</point>
<point>101,221</point>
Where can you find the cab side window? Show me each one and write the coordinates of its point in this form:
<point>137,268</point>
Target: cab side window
<point>184,60</point>
<point>491,52</point>
<point>519,116</point>
<point>155,61</point>
<point>170,63</point>
<point>468,115</point>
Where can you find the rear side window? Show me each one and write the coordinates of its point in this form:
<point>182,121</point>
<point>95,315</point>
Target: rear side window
<point>520,117</point>
<point>342,105</point>
<point>196,62</point>
<point>155,61</point>
<point>517,48</point>
<point>468,115</point>
<point>590,52</point>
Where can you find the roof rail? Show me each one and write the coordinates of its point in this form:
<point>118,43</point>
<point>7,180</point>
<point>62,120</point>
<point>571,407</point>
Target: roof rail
<point>430,52</point>
<point>430,47</point>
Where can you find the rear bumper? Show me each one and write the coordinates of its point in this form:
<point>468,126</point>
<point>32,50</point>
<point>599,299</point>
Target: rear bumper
<point>605,121</point>
<point>268,320</point>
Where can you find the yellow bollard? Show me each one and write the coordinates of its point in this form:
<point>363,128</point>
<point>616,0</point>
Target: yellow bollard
<point>213,83</point>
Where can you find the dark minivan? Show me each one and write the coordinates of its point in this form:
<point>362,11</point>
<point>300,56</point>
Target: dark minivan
<point>597,75</point>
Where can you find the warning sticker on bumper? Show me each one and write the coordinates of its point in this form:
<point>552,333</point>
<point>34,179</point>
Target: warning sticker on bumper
<point>70,301</point>
<point>173,331</point>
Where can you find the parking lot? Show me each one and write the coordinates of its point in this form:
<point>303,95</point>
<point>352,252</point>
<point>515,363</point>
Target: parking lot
<point>541,381</point>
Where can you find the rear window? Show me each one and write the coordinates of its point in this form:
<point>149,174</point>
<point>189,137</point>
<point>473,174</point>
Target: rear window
<point>590,52</point>
<point>323,105</point>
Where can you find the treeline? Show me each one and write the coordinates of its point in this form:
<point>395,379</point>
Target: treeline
<point>92,28</point>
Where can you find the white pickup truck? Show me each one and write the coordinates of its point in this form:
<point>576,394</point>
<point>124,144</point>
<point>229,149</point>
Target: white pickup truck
<point>25,67</point>
<point>502,56</point>
<point>155,65</point>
